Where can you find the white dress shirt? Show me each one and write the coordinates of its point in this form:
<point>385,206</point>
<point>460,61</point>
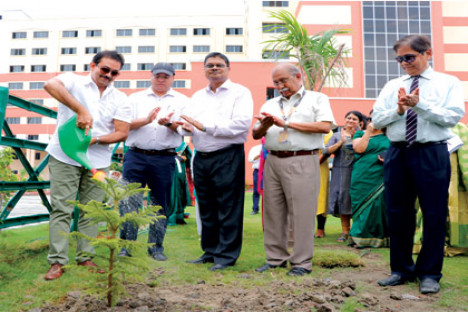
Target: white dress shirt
<point>254,156</point>
<point>113,104</point>
<point>153,136</point>
<point>440,107</point>
<point>314,107</point>
<point>226,115</point>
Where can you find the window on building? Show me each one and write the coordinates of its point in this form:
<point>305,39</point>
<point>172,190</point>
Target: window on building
<point>274,28</point>
<point>143,84</point>
<point>70,33</point>
<point>33,137</point>
<point>94,33</point>
<point>67,67</point>
<point>37,156</point>
<point>124,49</point>
<point>37,101</point>
<point>201,48</point>
<point>234,31</point>
<point>144,66</point>
<point>68,50</point>
<point>15,85</point>
<point>34,120</point>
<point>18,52</point>
<point>86,67</point>
<point>38,68</point>
<point>16,68</point>
<point>124,32</point>
<point>269,54</point>
<point>39,51</point>
<point>201,31</point>
<point>92,50</point>
<point>41,34</point>
<point>277,4</point>
<point>122,84</point>
<point>126,66</point>
<point>147,32</point>
<point>178,31</point>
<point>177,49</point>
<point>178,84</point>
<point>179,66</point>
<point>146,49</point>
<point>384,22</point>
<point>234,48</point>
<point>13,120</point>
<point>19,35</point>
<point>36,85</point>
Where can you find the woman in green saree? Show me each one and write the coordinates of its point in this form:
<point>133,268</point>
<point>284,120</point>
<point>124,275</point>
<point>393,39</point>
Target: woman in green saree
<point>369,227</point>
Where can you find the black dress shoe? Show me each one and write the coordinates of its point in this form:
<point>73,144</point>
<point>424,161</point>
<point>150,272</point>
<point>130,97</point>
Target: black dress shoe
<point>297,271</point>
<point>268,266</point>
<point>159,256</point>
<point>429,286</point>
<point>200,260</point>
<point>218,267</point>
<point>393,280</point>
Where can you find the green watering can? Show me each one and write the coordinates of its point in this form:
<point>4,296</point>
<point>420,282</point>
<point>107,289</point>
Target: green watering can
<point>75,143</point>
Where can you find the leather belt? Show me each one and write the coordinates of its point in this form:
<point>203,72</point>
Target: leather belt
<point>164,152</point>
<point>217,152</point>
<point>284,154</point>
<point>404,144</point>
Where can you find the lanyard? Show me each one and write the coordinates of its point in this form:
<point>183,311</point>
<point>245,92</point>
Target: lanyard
<point>293,108</point>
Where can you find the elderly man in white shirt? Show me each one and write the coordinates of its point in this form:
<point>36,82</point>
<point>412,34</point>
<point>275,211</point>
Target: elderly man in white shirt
<point>293,125</point>
<point>219,118</point>
<point>150,159</point>
<point>100,106</point>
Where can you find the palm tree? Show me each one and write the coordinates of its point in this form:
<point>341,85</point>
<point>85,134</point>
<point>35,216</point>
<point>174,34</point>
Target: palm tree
<point>317,55</point>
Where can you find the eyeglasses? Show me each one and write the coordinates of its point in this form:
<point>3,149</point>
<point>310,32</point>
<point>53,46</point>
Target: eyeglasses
<point>107,70</point>
<point>408,58</point>
<point>215,65</point>
<point>281,81</point>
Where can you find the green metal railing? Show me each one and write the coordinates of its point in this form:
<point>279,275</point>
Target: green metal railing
<point>32,183</point>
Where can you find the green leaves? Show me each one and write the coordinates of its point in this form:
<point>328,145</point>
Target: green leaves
<point>319,56</point>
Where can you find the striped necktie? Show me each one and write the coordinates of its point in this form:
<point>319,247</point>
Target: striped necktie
<point>412,117</point>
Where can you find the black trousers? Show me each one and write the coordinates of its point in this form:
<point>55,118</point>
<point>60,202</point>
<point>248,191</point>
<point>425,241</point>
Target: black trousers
<point>421,172</point>
<point>219,179</point>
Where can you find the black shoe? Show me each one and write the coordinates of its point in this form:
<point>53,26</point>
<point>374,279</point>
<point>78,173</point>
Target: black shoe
<point>253,213</point>
<point>124,253</point>
<point>297,271</point>
<point>429,286</point>
<point>218,267</point>
<point>268,266</point>
<point>393,280</point>
<point>159,256</point>
<point>200,260</point>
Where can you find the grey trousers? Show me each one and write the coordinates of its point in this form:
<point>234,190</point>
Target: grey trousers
<point>66,183</point>
<point>291,188</point>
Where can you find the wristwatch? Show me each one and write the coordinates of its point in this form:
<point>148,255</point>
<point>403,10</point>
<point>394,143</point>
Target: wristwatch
<point>286,124</point>
<point>98,141</point>
<point>168,124</point>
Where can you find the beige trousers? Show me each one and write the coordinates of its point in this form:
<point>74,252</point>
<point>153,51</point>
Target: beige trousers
<point>291,188</point>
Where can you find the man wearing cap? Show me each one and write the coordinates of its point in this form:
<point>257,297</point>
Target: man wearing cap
<point>150,159</point>
<point>219,119</point>
<point>293,125</point>
<point>99,106</point>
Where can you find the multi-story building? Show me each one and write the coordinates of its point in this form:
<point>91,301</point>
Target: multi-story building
<point>36,48</point>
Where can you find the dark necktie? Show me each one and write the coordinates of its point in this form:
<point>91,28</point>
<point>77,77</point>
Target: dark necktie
<point>412,117</point>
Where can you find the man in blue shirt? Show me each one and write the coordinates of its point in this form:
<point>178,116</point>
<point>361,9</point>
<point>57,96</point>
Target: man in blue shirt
<point>418,110</point>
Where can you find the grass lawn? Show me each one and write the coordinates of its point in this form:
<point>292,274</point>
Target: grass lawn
<point>23,263</point>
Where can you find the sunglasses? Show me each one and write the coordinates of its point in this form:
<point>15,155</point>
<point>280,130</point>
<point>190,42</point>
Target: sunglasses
<point>106,70</point>
<point>408,58</point>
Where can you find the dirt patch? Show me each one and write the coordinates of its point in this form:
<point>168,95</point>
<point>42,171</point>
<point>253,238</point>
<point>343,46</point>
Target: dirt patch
<point>350,287</point>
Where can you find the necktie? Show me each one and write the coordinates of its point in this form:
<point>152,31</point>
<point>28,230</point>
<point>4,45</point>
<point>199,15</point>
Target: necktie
<point>412,117</point>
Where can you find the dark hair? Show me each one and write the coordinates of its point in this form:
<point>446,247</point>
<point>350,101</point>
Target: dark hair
<point>112,54</point>
<point>418,43</point>
<point>356,113</point>
<point>217,54</point>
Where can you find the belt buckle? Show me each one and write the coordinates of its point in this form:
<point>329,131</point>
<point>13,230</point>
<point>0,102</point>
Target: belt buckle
<point>294,153</point>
